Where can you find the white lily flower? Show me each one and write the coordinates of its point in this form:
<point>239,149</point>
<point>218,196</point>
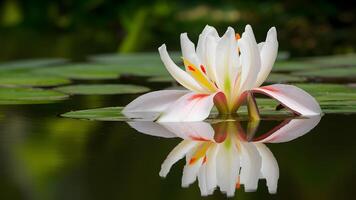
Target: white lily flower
<point>222,154</point>
<point>222,71</point>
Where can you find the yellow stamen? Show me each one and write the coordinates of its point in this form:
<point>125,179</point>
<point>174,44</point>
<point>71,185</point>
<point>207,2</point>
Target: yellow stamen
<point>199,76</point>
<point>201,152</point>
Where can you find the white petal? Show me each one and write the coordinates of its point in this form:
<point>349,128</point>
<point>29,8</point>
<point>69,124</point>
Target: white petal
<point>292,129</point>
<point>268,53</point>
<point>210,61</point>
<point>177,73</point>
<point>190,171</point>
<point>211,179</point>
<point>228,164</point>
<point>190,107</point>
<point>188,50</point>
<point>249,58</point>
<point>151,128</point>
<point>250,166</point>
<point>176,154</point>
<point>201,46</point>
<point>206,49</point>
<point>269,169</point>
<point>293,98</point>
<point>190,130</point>
<point>226,60</point>
<point>150,105</point>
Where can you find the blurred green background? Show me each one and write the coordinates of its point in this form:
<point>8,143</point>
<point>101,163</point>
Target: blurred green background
<point>76,28</point>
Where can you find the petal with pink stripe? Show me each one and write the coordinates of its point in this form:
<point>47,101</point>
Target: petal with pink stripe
<point>293,98</point>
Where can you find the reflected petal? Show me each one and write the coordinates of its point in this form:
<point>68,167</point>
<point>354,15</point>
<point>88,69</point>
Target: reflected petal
<point>290,130</point>
<point>269,169</point>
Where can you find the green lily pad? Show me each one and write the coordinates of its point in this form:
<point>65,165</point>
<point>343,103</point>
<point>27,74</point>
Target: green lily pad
<point>335,60</point>
<point>288,66</point>
<point>102,89</point>
<point>161,79</point>
<point>133,58</point>
<point>29,79</point>
<point>99,114</point>
<point>30,63</point>
<point>284,78</point>
<point>339,72</point>
<point>80,72</point>
<point>29,96</point>
<point>317,88</point>
<point>103,71</point>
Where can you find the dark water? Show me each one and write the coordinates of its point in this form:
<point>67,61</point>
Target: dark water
<point>43,156</point>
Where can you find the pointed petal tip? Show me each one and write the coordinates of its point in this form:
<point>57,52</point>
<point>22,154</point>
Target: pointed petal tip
<point>163,47</point>
<point>272,34</point>
<point>162,174</point>
<point>183,35</point>
<point>248,27</point>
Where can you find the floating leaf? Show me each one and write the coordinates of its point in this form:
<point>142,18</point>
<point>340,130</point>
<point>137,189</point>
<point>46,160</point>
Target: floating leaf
<point>317,88</point>
<point>30,63</point>
<point>133,59</point>
<point>161,79</point>
<point>100,114</point>
<point>335,60</point>
<point>284,78</point>
<point>339,72</point>
<point>29,96</point>
<point>102,89</point>
<point>80,71</point>
<point>288,66</point>
<point>29,79</point>
<point>102,71</point>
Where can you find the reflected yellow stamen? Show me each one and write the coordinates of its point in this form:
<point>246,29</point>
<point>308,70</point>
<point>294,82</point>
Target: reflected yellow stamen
<point>237,36</point>
<point>201,152</point>
<point>199,75</point>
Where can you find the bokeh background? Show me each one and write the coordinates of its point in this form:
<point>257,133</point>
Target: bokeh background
<point>76,28</point>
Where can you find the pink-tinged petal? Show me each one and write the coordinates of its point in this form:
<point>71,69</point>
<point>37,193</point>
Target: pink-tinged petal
<point>150,105</point>
<point>269,168</point>
<point>294,98</point>
<point>190,107</point>
<point>220,102</point>
<point>268,51</point>
<point>151,128</point>
<point>199,131</point>
<point>290,130</point>
<point>177,73</point>
<point>176,154</point>
<point>250,60</point>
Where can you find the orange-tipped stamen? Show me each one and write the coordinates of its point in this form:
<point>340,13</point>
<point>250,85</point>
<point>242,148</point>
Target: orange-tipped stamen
<point>201,151</point>
<point>237,36</point>
<point>203,69</point>
<point>191,68</point>
<point>238,185</point>
<point>199,75</point>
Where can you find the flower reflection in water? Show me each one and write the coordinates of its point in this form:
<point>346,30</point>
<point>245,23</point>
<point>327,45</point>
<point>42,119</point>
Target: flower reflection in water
<point>223,154</point>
